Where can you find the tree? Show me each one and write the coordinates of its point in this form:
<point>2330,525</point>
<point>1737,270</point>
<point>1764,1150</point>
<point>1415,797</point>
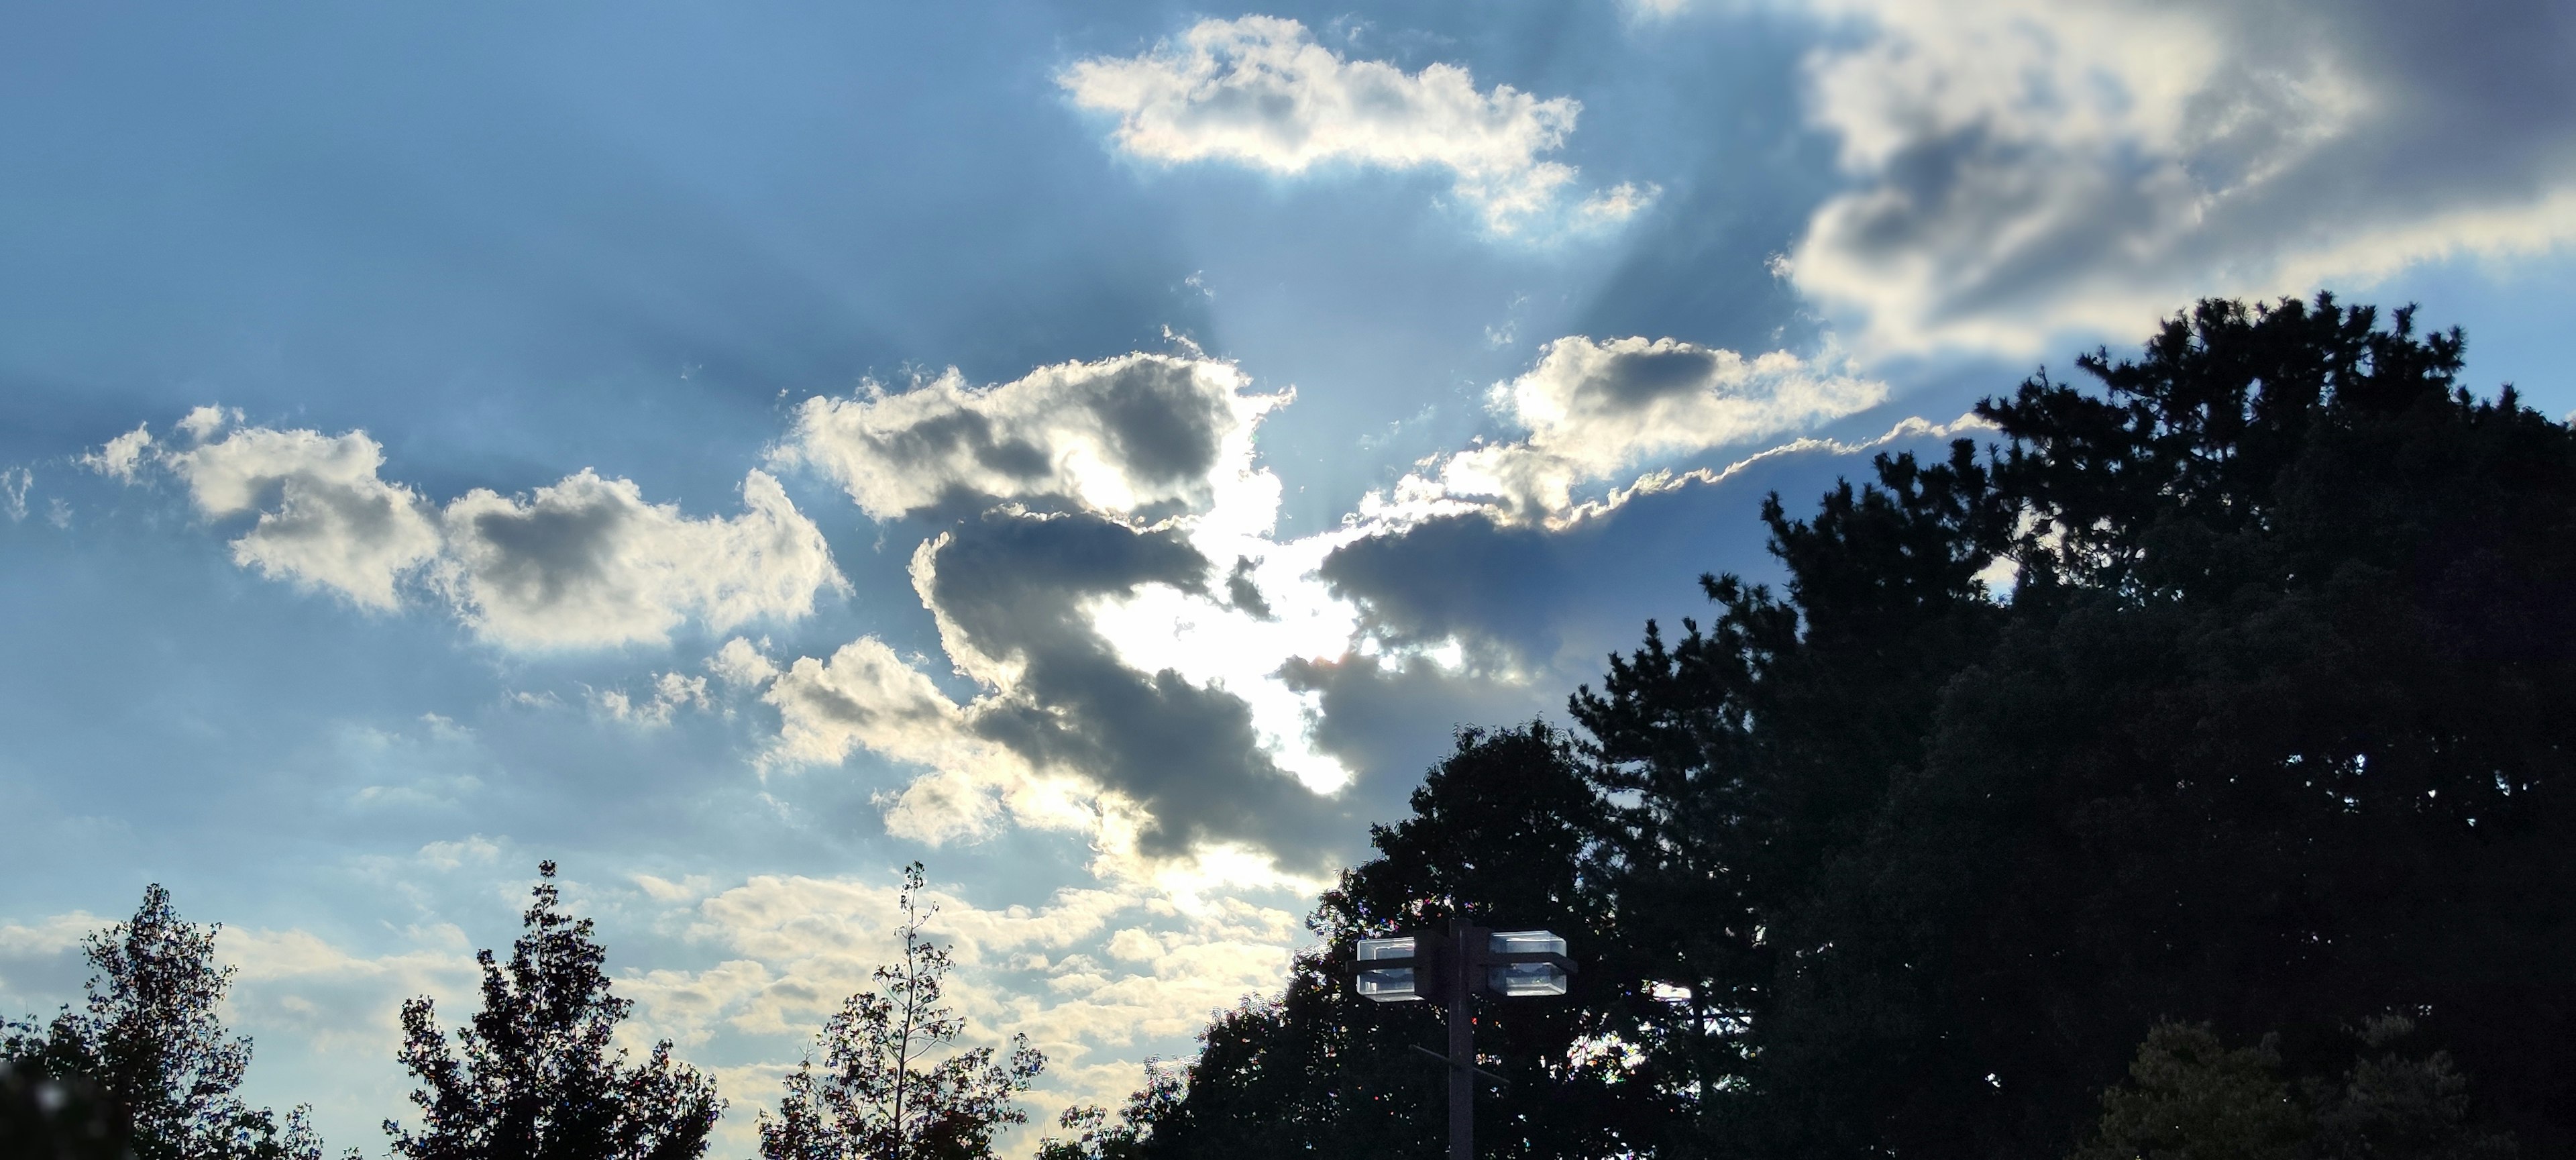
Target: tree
<point>880,1095</point>
<point>1131,1138</point>
<point>1500,835</point>
<point>2227,688</point>
<point>532,1076</point>
<point>150,1042</point>
<point>2189,1097</point>
<point>2268,729</point>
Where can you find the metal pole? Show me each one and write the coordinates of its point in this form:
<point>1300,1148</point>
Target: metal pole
<point>1462,1043</point>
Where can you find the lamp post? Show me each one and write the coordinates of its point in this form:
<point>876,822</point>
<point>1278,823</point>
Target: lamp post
<point>1454,967</point>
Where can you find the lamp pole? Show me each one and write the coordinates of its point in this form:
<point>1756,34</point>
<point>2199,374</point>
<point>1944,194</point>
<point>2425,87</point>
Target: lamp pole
<point>1463,941</point>
<point>1469,960</point>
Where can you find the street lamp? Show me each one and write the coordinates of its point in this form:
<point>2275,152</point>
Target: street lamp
<point>1454,967</point>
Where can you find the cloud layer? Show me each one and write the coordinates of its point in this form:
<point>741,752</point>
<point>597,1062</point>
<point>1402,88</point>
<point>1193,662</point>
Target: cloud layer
<point>2023,168</point>
<point>582,563</point>
<point>1259,91</point>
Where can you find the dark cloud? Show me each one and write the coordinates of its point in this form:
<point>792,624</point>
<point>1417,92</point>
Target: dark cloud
<point>1009,587</point>
<point>1136,436</point>
<point>1529,596</point>
<point>2024,175</point>
<point>539,554</point>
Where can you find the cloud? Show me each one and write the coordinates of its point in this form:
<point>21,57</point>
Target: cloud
<point>122,455</point>
<point>587,562</point>
<point>1010,595</point>
<point>1260,92</point>
<point>1134,436</point>
<point>1593,408</point>
<point>1499,587</point>
<point>584,562</point>
<point>2024,169</point>
<point>325,519</point>
<point>14,483</point>
<point>671,692</point>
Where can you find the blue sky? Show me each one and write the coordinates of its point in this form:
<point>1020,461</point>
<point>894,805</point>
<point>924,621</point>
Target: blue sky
<point>1099,450</point>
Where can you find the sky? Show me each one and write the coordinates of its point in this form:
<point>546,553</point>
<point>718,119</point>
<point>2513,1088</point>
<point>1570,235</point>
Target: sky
<point>1101,451</point>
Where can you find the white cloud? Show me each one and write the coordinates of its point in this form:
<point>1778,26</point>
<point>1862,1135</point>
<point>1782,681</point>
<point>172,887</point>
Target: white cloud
<point>587,562</point>
<point>584,562</point>
<point>1593,408</point>
<point>325,519</point>
<point>14,483</point>
<point>2029,168</point>
<point>1124,436</point>
<point>671,692</point>
<point>122,455</point>
<point>1260,92</point>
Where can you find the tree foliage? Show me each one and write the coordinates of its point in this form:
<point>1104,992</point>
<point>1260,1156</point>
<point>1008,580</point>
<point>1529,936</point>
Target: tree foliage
<point>882,1093</point>
<point>533,1076</point>
<point>149,1045</point>
<point>2189,1097</point>
<point>2227,688</point>
<point>1498,836</point>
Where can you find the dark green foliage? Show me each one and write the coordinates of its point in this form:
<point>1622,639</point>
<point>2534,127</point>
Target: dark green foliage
<point>2269,728</point>
<point>148,1050</point>
<point>533,1077</point>
<point>1498,835</point>
<point>2191,1098</point>
<point>881,1094</point>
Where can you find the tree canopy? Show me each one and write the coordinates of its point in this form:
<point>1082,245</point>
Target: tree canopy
<point>532,1076</point>
<point>145,1063</point>
<point>2224,691</point>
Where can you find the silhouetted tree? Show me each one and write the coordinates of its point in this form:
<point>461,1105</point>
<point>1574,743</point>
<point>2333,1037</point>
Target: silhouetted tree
<point>2269,730</point>
<point>1131,1138</point>
<point>881,1093</point>
<point>1499,835</point>
<point>149,1045</point>
<point>2228,689</point>
<point>532,1077</point>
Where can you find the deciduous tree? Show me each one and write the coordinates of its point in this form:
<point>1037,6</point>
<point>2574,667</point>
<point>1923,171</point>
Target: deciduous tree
<point>891,1086</point>
<point>533,1075</point>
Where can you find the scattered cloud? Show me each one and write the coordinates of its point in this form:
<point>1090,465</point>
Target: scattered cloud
<point>671,692</point>
<point>2024,169</point>
<point>585,562</point>
<point>1594,408</point>
<point>1259,91</point>
<point>14,483</point>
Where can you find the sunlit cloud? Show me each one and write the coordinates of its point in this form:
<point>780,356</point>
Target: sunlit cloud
<point>586,562</point>
<point>1259,91</point>
<point>1591,409</point>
